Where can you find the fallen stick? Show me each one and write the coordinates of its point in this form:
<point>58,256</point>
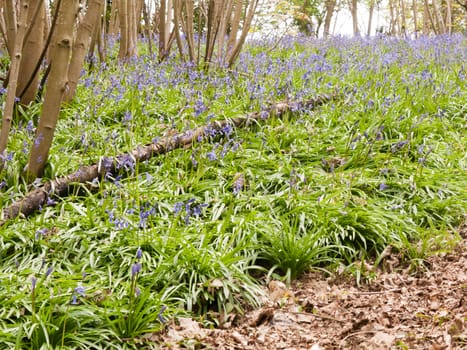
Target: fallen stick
<point>62,186</point>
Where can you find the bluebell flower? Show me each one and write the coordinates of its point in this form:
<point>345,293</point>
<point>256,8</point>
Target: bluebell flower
<point>227,130</point>
<point>41,232</point>
<point>33,282</point>
<point>178,207</point>
<point>49,271</point>
<point>160,314</point>
<point>383,186</point>
<point>79,290</point>
<point>139,253</point>
<point>135,269</point>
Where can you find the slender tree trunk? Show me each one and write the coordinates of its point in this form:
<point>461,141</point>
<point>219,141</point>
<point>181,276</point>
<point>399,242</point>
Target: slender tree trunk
<point>13,80</point>
<point>234,26</point>
<point>213,20</point>
<point>223,30</point>
<point>10,19</point>
<point>371,11</point>
<point>353,11</point>
<point>133,18</point>
<point>392,18</point>
<point>415,17</point>
<point>123,20</point>
<point>32,49</point>
<point>190,30</point>
<point>56,85</point>
<point>114,23</point>
<point>80,48</point>
<point>235,51</point>
<point>448,19</point>
<point>439,19</point>
<point>330,6</point>
<point>403,18</point>
<point>147,26</point>
<point>427,19</point>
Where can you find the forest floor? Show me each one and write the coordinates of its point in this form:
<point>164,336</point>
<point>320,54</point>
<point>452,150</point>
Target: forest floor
<point>398,309</point>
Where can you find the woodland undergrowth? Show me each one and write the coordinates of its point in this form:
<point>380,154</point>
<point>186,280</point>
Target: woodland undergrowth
<point>198,231</point>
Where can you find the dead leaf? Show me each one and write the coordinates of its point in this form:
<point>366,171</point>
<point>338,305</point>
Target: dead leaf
<point>383,339</point>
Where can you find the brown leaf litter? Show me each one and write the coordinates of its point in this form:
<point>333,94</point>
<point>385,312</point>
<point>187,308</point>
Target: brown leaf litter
<point>396,310</point>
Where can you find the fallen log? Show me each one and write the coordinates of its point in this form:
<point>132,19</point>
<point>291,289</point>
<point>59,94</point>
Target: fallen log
<point>62,186</point>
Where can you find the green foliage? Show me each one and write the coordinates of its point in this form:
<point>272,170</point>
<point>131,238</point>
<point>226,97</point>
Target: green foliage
<point>382,167</point>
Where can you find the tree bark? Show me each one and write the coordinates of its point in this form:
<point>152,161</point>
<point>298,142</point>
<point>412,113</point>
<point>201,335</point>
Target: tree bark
<point>415,17</point>
<point>448,19</point>
<point>123,20</point>
<point>32,49</point>
<point>330,6</point>
<point>114,23</point>
<point>62,186</point>
<point>235,51</point>
<point>16,56</point>
<point>11,25</point>
<point>353,11</point>
<point>403,17</point>
<point>56,85</point>
<point>439,19</point>
<point>371,11</point>
<point>80,48</point>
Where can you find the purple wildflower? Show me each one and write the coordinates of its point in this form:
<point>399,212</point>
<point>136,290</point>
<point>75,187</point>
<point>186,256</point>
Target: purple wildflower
<point>160,314</point>
<point>41,232</point>
<point>49,271</point>
<point>383,186</point>
<point>79,290</point>
<point>33,283</point>
<point>135,269</point>
<point>139,253</point>
<point>211,155</point>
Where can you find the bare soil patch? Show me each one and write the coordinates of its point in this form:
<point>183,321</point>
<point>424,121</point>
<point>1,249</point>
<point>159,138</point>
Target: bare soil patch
<point>396,310</point>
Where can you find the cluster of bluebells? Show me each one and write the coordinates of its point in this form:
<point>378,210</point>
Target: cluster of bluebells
<point>119,223</point>
<point>191,209</point>
<point>145,211</point>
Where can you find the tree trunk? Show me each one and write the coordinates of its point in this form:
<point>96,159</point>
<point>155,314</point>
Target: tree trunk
<point>353,11</point>
<point>403,18</point>
<point>427,19</point>
<point>123,21</point>
<point>32,49</point>
<point>392,18</point>
<point>448,19</point>
<point>415,16</point>
<point>56,85</point>
<point>371,11</point>
<point>13,80</point>
<point>330,6</point>
<point>147,27</point>
<point>223,31</point>
<point>114,23</point>
<point>234,26</point>
<point>132,28</point>
<point>80,48</point>
<point>248,19</point>
<point>214,11</point>
<point>439,19</point>
<point>10,20</point>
